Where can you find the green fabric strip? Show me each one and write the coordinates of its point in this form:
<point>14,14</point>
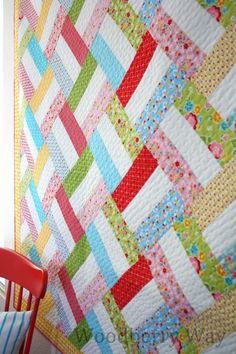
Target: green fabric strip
<point>81,334</point>
<point>186,342</point>
<point>75,9</point>
<point>216,132</point>
<point>205,263</point>
<point>24,185</point>
<point>25,41</point>
<point>226,10</point>
<point>124,332</point>
<point>124,236</point>
<point>78,172</point>
<point>128,21</point>
<point>82,82</point>
<point>124,128</point>
<point>78,256</point>
<point>27,245</point>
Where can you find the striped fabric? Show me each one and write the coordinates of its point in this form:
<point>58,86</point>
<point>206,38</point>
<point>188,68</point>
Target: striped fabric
<point>13,328</point>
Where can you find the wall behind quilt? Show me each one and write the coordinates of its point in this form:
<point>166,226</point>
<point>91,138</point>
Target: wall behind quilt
<point>125,171</point>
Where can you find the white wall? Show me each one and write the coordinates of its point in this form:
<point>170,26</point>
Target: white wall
<point>40,345</point>
<point>7,129</point>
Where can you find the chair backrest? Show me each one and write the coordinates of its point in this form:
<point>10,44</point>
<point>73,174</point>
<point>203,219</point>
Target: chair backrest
<point>20,270</point>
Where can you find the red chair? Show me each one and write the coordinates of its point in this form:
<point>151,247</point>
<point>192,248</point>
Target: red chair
<point>20,270</point>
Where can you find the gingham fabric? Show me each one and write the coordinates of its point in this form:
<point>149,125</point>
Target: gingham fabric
<point>126,171</point>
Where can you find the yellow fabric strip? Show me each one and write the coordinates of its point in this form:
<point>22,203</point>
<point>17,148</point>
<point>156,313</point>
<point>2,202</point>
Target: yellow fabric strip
<point>219,194</point>
<point>217,64</point>
<point>46,304</point>
<point>17,128</point>
<point>214,324</point>
<point>64,345</point>
<point>43,238</point>
<point>40,163</point>
<point>42,18</point>
<point>41,90</point>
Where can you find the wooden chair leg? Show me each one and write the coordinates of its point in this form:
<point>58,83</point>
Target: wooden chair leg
<point>31,328</point>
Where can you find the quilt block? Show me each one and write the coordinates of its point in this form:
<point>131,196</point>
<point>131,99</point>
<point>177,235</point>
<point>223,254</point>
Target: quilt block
<point>125,116</point>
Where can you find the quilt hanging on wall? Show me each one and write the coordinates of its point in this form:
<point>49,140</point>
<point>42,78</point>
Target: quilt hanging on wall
<point>125,143</point>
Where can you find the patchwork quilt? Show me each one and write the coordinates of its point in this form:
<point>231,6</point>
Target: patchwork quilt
<point>125,178</point>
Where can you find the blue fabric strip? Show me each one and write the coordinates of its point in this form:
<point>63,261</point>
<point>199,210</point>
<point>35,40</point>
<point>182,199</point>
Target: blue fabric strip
<point>170,87</point>
<point>61,312</point>
<point>98,334</point>
<point>108,62</point>
<point>57,156</point>
<point>34,256</point>
<point>61,74</point>
<point>160,220</point>
<point>101,256</point>
<point>105,164</point>
<point>37,55</point>
<point>60,242</point>
<point>156,329</point>
<point>37,202</point>
<point>34,128</point>
<point>148,11</point>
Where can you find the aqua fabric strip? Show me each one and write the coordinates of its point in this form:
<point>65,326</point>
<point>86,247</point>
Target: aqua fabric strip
<point>99,335</point>
<point>108,62</point>
<point>34,128</point>
<point>101,256</point>
<point>156,329</point>
<point>105,164</point>
<point>37,55</point>
<point>37,202</point>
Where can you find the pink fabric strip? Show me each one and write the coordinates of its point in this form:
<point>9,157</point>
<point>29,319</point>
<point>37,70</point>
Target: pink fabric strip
<point>26,150</point>
<point>74,41</point>
<point>27,86</point>
<point>98,108</point>
<point>55,34</point>
<point>167,284</point>
<point>52,114</point>
<point>95,21</point>
<point>70,294</point>
<point>69,215</point>
<point>28,218</point>
<point>54,266</point>
<point>91,209</point>
<point>174,166</point>
<point>52,188</point>
<point>29,11</point>
<point>176,44</point>
<point>73,129</point>
<point>93,293</point>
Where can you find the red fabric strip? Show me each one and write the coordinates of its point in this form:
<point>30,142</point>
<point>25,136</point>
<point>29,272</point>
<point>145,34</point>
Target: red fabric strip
<point>70,294</point>
<point>131,282</point>
<point>137,69</point>
<point>138,174</point>
<point>72,222</point>
<point>73,129</point>
<point>74,41</point>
